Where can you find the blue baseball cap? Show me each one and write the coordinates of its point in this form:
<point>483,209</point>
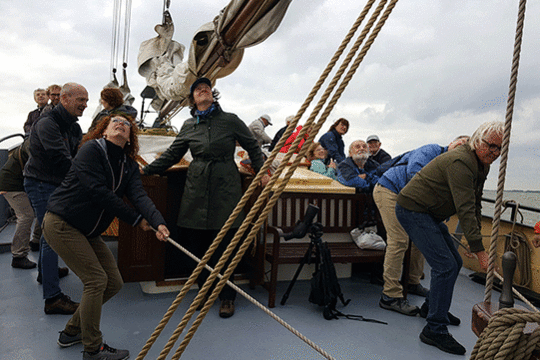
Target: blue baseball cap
<point>202,80</point>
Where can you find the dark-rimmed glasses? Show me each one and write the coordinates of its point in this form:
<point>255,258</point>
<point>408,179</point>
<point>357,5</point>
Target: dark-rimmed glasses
<point>492,147</point>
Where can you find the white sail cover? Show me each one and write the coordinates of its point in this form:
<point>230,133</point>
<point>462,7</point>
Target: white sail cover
<point>160,58</point>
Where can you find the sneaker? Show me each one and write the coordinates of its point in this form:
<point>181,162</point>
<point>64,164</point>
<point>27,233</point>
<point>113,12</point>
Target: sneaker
<point>65,340</point>
<point>22,263</point>
<point>106,352</point>
<point>454,320</point>
<point>226,309</point>
<point>62,272</point>
<point>400,305</point>
<point>34,246</point>
<point>445,342</point>
<point>417,289</point>
<point>62,305</point>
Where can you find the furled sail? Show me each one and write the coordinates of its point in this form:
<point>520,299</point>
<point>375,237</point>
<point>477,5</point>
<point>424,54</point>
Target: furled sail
<point>215,51</point>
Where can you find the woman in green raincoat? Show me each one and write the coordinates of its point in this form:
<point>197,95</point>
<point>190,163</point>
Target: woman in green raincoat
<point>213,183</point>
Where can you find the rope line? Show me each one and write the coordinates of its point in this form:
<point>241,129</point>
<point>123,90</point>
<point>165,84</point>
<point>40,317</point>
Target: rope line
<point>504,152</point>
<point>262,198</point>
<point>255,302</point>
<point>252,187</point>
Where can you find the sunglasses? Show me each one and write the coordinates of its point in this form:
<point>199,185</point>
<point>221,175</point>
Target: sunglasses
<point>121,121</point>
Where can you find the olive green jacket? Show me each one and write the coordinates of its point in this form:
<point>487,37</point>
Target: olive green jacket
<point>452,183</point>
<point>213,184</point>
<point>11,174</point>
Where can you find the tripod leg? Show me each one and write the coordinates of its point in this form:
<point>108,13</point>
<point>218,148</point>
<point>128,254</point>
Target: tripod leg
<point>305,259</point>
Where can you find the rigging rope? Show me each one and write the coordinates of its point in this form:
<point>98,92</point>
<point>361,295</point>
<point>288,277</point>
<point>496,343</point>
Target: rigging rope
<point>115,36</point>
<point>504,152</point>
<point>263,197</point>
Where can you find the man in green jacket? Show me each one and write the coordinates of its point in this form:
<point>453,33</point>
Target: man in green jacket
<point>450,184</point>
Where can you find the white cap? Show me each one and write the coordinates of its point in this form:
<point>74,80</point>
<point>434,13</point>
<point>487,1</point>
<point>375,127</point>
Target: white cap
<point>267,118</point>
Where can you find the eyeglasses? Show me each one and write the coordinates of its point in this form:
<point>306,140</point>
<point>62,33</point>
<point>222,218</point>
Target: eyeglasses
<point>492,147</point>
<point>55,95</point>
<point>122,121</point>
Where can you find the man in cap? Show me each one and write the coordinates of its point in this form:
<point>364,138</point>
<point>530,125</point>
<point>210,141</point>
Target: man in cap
<point>257,129</point>
<point>377,154</point>
<point>280,132</point>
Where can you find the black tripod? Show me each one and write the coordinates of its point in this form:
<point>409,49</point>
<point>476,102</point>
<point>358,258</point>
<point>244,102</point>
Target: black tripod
<point>315,234</point>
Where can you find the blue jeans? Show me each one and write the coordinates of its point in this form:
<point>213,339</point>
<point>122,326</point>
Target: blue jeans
<point>436,244</point>
<point>39,192</point>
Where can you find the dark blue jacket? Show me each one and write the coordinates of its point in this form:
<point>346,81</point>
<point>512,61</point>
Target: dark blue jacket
<point>91,196</point>
<point>395,178</point>
<point>348,173</point>
<point>333,143</point>
<point>54,140</point>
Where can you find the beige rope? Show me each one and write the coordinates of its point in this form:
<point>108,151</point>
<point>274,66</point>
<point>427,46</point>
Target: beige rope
<point>255,302</point>
<point>277,193</point>
<point>504,152</point>
<point>252,187</point>
<point>504,338</point>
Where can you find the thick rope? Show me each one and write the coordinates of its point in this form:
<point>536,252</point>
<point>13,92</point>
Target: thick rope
<point>253,186</point>
<point>277,194</point>
<point>504,152</point>
<point>255,302</point>
<point>504,338</point>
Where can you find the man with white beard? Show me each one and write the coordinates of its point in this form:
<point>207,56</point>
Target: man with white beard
<point>352,171</point>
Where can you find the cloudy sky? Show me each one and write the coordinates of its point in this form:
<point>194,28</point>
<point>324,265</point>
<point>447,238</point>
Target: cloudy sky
<point>438,69</point>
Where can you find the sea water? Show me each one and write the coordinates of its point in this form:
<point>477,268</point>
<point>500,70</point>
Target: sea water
<point>523,198</point>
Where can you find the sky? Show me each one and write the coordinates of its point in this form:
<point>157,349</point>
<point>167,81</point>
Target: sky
<point>437,70</point>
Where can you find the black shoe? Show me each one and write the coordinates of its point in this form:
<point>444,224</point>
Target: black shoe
<point>417,289</point>
<point>22,263</point>
<point>34,246</point>
<point>65,340</point>
<point>106,352</point>
<point>62,305</point>
<point>445,342</point>
<point>226,309</point>
<point>62,272</point>
<point>454,320</point>
<point>399,305</point>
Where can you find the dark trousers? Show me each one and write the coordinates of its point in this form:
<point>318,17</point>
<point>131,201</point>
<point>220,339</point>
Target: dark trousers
<point>199,241</point>
<point>434,241</point>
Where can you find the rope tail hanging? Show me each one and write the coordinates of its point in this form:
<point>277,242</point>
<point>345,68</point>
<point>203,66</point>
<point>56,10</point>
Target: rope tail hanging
<point>115,39</point>
<point>255,208</point>
<point>504,151</point>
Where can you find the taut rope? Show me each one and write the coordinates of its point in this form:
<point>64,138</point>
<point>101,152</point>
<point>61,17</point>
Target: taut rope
<point>504,337</point>
<point>264,195</point>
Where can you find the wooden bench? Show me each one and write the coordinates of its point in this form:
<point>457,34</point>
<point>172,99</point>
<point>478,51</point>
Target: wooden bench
<point>339,213</point>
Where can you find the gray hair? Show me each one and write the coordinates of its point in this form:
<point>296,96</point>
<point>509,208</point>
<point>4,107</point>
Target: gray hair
<point>484,130</point>
<point>68,88</point>
<point>355,142</point>
<point>39,89</point>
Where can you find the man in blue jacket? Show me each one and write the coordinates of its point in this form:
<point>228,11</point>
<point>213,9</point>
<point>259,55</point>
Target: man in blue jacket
<point>354,170</point>
<point>385,195</point>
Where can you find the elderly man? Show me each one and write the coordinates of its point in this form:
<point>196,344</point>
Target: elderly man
<point>385,195</point>
<point>41,99</point>
<point>257,129</point>
<point>353,170</point>
<point>53,143</point>
<point>377,154</point>
<point>450,184</point>
<point>280,133</point>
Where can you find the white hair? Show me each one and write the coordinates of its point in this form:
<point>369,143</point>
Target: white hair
<point>484,130</point>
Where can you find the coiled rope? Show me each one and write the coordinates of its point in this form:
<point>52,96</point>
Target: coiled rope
<point>504,337</point>
<point>265,193</point>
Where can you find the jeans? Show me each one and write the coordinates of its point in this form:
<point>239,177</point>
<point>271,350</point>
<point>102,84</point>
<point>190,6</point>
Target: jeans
<point>434,241</point>
<point>39,192</point>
